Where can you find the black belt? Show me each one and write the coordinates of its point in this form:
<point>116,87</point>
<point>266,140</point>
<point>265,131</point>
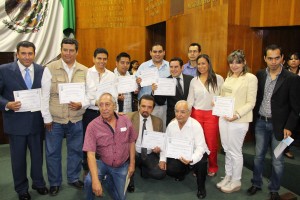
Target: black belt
<point>267,119</point>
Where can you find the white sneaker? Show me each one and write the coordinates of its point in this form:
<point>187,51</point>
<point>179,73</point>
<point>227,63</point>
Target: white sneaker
<point>225,180</point>
<point>232,186</point>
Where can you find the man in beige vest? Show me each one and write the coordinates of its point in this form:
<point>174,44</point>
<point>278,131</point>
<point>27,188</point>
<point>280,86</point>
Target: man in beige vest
<point>63,119</point>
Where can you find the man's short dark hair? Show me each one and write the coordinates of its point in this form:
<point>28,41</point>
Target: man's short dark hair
<point>273,47</point>
<point>157,44</point>
<point>100,50</point>
<point>121,55</point>
<point>25,44</point>
<point>196,44</point>
<point>147,97</point>
<point>69,41</point>
<point>177,59</point>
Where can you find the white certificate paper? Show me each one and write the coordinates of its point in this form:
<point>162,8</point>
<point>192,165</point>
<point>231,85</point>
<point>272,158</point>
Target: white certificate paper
<point>179,147</point>
<point>152,139</point>
<point>127,84</point>
<point>106,87</point>
<point>71,92</point>
<point>149,76</point>
<point>166,87</point>
<point>224,106</point>
<point>282,145</point>
<point>30,100</point>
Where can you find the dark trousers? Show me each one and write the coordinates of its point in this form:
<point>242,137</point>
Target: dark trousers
<point>177,169</point>
<point>18,149</point>
<point>88,116</point>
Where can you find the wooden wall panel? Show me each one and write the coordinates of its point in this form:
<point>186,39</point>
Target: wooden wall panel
<point>210,32</point>
<point>266,13</point>
<point>115,40</point>
<point>156,11</point>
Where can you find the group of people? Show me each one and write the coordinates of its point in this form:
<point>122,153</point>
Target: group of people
<point>104,133</point>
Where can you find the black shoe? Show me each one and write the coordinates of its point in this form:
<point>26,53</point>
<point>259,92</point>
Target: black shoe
<point>274,196</point>
<point>41,191</point>
<point>131,187</point>
<point>252,190</point>
<point>180,178</point>
<point>54,190</point>
<point>24,196</point>
<point>201,194</point>
<point>77,184</point>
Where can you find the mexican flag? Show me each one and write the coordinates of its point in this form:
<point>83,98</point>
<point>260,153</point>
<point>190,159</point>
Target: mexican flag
<point>42,22</point>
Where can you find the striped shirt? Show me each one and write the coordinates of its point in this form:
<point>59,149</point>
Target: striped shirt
<point>112,146</point>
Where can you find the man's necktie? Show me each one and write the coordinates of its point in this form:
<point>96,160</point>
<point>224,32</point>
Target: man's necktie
<point>144,150</point>
<point>27,78</point>
<point>179,86</point>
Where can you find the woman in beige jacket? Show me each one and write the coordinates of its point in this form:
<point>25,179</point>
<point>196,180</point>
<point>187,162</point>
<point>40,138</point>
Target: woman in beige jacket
<point>242,87</point>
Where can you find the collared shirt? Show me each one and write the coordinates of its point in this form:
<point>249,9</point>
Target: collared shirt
<point>46,87</point>
<point>163,72</point>
<point>23,72</point>
<point>199,97</point>
<point>192,131</point>
<point>149,127</point>
<point>127,105</point>
<point>113,146</point>
<point>68,69</point>
<point>93,79</point>
<point>265,107</point>
<point>188,69</point>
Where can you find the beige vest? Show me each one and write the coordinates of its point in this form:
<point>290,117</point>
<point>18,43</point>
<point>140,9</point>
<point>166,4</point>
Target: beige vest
<point>61,113</point>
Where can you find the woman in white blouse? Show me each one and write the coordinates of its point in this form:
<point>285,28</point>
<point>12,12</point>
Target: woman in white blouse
<point>202,89</point>
<point>242,87</point>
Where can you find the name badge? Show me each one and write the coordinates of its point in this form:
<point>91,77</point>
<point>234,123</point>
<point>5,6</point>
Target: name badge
<point>123,129</point>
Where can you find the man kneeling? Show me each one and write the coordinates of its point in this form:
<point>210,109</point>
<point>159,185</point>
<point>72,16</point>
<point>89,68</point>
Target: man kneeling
<point>112,137</point>
<point>187,128</point>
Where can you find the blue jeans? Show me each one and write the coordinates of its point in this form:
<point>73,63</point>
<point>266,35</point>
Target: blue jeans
<point>263,136</point>
<point>113,179</point>
<point>54,138</point>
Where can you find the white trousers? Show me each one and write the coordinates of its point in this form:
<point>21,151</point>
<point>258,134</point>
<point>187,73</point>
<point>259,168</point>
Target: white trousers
<point>232,138</point>
<point>161,112</point>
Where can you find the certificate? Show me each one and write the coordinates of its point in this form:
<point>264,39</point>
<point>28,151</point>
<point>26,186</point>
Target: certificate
<point>126,84</point>
<point>149,76</point>
<point>71,92</point>
<point>152,139</point>
<point>282,145</point>
<point>30,100</point>
<point>179,147</point>
<point>106,87</point>
<point>166,87</point>
<point>224,106</point>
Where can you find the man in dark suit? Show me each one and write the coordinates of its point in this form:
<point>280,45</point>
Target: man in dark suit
<point>182,88</point>
<point>277,112</point>
<point>23,128</point>
<point>148,162</point>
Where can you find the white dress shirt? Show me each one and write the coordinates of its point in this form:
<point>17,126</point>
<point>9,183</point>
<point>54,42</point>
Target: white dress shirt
<point>191,130</point>
<point>149,127</point>
<point>199,97</point>
<point>93,79</point>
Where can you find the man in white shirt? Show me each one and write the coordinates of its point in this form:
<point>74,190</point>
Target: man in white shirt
<point>187,128</point>
<point>96,76</point>
<point>148,162</point>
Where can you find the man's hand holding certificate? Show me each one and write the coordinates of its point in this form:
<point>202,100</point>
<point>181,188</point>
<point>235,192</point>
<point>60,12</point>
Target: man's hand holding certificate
<point>152,139</point>
<point>30,100</point>
<point>179,148</point>
<point>166,87</point>
<point>224,106</point>
<point>74,92</point>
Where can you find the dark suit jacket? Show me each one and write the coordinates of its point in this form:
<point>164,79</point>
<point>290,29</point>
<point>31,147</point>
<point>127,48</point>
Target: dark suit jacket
<point>172,100</point>
<point>135,119</point>
<point>284,105</point>
<point>18,123</point>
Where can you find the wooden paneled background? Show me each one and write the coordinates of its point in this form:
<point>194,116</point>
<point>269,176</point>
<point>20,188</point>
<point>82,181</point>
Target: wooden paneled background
<point>220,26</point>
